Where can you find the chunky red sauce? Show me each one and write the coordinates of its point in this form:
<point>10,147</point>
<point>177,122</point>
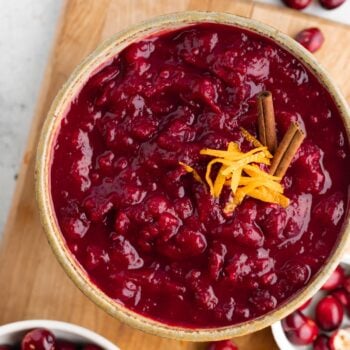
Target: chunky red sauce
<point>146,232</point>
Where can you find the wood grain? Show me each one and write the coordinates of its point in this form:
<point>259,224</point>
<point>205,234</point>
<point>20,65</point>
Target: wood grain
<point>33,285</point>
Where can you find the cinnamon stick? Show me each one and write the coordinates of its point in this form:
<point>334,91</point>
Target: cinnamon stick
<point>286,150</point>
<point>266,121</point>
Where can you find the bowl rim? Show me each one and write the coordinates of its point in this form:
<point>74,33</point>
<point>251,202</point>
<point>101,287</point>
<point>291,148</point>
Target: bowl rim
<point>58,109</point>
<point>54,326</point>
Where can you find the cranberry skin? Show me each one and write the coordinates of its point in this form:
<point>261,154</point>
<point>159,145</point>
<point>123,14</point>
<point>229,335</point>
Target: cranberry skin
<point>342,296</point>
<point>39,339</point>
<point>5,347</point>
<point>346,284</point>
<point>222,345</point>
<point>311,38</point>
<point>331,4</point>
<point>335,280</point>
<point>297,4</point>
<point>321,343</point>
<point>329,313</point>
<point>300,330</point>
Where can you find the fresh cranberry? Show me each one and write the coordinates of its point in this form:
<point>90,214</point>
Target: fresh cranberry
<point>305,305</point>
<point>331,4</point>
<point>340,339</point>
<point>321,343</point>
<point>342,296</point>
<point>300,329</point>
<point>329,313</point>
<point>297,4</point>
<point>311,38</point>
<point>91,347</point>
<point>39,339</point>
<point>346,284</point>
<point>335,280</point>
<point>222,345</point>
<point>65,345</point>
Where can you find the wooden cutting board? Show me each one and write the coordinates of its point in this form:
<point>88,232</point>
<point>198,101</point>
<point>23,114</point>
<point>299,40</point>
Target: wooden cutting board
<point>32,284</point>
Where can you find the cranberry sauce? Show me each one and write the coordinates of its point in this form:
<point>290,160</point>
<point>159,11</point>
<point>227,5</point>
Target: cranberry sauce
<point>150,235</point>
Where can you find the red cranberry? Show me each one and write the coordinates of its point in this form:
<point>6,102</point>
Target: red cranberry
<point>222,345</point>
<point>297,4</point>
<point>91,347</point>
<point>335,280</point>
<point>300,329</point>
<point>305,305</point>
<point>321,343</point>
<point>39,339</point>
<point>342,296</point>
<point>331,4</point>
<point>346,284</point>
<point>65,345</point>
<point>329,313</point>
<point>311,38</point>
<point>340,339</point>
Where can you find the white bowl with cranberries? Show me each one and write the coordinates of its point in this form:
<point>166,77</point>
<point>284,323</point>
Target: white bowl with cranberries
<point>50,335</point>
<point>322,323</point>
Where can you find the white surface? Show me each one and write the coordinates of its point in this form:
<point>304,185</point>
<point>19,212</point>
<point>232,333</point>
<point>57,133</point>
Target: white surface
<point>341,14</point>
<point>26,33</point>
<point>12,333</point>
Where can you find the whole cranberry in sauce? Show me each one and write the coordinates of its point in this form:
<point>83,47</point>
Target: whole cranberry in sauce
<point>311,38</point>
<point>329,313</point>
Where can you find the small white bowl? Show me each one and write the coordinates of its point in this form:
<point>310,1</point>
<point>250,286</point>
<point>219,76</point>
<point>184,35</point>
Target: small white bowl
<point>12,333</point>
<point>277,330</point>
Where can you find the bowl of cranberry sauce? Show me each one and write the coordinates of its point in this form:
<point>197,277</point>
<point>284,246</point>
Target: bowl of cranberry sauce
<point>192,176</point>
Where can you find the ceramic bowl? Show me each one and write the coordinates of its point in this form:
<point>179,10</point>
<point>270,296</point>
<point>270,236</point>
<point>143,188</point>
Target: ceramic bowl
<point>12,333</point>
<point>277,330</point>
<point>106,51</point>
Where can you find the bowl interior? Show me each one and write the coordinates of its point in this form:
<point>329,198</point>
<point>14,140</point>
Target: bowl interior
<point>57,112</point>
